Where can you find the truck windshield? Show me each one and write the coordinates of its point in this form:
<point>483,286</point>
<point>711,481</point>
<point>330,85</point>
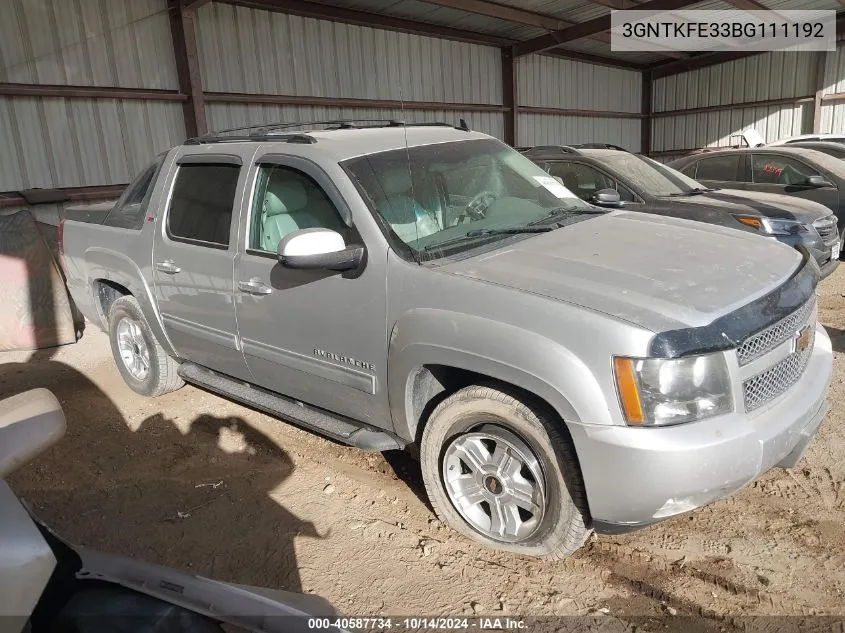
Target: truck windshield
<point>651,177</point>
<point>457,195</point>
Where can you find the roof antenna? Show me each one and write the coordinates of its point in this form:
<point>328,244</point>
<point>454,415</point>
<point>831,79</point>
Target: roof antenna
<point>463,125</point>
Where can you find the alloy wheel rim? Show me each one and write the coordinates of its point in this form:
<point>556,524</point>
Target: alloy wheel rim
<point>133,349</point>
<point>495,482</point>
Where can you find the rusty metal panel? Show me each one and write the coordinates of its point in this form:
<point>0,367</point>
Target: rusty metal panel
<point>82,142</point>
<point>546,129</point>
<point>122,43</point>
<point>223,116</point>
<point>561,83</point>
<point>261,52</point>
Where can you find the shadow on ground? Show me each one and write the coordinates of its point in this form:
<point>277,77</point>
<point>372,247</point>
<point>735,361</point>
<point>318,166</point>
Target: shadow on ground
<point>211,479</point>
<point>837,338</point>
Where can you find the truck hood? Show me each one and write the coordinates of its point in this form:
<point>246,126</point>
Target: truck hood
<point>657,272</point>
<point>772,205</point>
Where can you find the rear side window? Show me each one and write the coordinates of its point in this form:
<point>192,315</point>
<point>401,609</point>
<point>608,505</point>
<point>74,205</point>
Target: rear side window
<point>201,204</point>
<point>130,210</point>
<point>719,168</point>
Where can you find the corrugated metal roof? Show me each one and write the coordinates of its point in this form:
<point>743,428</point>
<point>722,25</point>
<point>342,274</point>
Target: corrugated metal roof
<point>253,51</point>
<point>543,129</point>
<point>774,75</point>
<point>87,43</point>
<point>549,82</point>
<point>82,142</point>
<point>601,49</point>
<point>223,116</point>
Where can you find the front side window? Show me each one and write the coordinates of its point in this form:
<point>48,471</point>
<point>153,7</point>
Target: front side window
<point>431,195</point>
<point>770,169</point>
<point>287,200</point>
<point>582,180</point>
<point>725,168</point>
<point>201,204</point>
<point>129,211</point>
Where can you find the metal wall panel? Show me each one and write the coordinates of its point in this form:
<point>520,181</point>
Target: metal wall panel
<point>224,116</point>
<point>122,43</point>
<point>545,129</point>
<point>561,83</point>
<point>255,51</point>
<point>775,75</point>
<point>82,142</point>
<point>715,129</point>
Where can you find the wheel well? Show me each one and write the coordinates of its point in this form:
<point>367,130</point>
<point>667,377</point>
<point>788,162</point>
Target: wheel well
<point>432,384</point>
<point>107,293</point>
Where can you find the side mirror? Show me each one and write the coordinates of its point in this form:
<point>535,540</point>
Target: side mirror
<point>318,248</point>
<point>817,181</point>
<point>607,198</point>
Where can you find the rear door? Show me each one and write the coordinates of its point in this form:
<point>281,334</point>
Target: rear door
<point>723,171</point>
<point>775,173</point>
<point>193,259</point>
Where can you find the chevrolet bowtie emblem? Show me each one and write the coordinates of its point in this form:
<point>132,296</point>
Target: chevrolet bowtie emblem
<point>802,339</point>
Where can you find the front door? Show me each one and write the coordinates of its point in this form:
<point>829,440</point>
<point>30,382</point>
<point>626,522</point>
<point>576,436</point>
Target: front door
<point>193,259</point>
<point>317,336</point>
<point>775,173</point>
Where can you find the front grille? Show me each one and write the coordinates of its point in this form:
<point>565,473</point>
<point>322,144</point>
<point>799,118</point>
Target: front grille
<point>772,382</point>
<point>826,228</point>
<point>766,340</point>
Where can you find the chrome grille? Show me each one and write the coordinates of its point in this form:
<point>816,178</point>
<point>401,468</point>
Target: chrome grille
<point>772,382</point>
<point>767,339</point>
<point>826,228</point>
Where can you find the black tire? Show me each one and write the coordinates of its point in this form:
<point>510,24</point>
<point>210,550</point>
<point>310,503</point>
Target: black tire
<point>564,526</point>
<point>162,376</point>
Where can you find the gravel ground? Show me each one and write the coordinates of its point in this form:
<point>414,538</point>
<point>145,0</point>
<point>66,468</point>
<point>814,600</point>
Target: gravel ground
<point>196,482</point>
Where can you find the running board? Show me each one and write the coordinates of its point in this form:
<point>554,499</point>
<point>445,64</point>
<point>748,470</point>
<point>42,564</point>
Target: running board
<point>334,426</point>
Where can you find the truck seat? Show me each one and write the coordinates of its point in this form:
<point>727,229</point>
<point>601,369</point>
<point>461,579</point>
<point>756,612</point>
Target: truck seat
<point>289,207</point>
<point>408,219</point>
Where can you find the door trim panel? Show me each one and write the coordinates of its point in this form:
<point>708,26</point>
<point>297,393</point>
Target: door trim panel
<point>346,376</point>
<point>218,337</point>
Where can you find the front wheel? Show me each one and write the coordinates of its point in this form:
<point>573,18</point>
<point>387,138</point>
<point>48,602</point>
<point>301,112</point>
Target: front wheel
<point>142,362</point>
<point>500,472</point>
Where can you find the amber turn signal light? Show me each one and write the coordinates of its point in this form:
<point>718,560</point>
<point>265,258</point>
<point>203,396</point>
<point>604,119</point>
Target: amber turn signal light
<point>629,395</point>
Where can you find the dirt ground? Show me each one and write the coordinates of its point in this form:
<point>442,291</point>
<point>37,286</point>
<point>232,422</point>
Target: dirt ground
<point>193,481</point>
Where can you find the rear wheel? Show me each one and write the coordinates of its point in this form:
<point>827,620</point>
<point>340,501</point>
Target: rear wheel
<point>142,362</point>
<point>500,472</point>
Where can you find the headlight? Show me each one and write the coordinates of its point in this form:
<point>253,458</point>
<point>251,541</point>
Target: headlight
<point>665,391</point>
<point>773,226</point>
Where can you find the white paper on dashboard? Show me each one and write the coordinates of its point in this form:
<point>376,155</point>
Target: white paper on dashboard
<point>554,187</point>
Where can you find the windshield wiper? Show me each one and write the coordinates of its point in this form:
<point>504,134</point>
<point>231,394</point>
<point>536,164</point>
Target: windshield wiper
<point>559,211</point>
<point>475,234</point>
<point>693,192</point>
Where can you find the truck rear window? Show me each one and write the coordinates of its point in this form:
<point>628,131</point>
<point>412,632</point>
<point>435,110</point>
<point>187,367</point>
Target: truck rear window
<point>201,204</point>
<point>129,211</point>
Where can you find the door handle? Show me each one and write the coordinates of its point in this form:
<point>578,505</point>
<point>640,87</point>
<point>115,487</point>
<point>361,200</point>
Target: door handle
<point>254,287</point>
<point>167,266</point>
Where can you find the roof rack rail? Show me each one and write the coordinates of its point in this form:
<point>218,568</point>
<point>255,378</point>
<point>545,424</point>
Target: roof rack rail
<point>599,146</point>
<point>272,131</point>
<point>558,149</point>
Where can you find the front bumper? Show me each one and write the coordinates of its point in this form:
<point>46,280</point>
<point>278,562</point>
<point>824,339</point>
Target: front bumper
<point>821,251</point>
<point>638,476</point>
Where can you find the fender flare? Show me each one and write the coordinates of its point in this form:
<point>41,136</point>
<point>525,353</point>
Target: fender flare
<point>504,352</point>
<point>106,265</point>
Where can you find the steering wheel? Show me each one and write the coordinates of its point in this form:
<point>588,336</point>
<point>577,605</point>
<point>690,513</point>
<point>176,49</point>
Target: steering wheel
<point>476,209</point>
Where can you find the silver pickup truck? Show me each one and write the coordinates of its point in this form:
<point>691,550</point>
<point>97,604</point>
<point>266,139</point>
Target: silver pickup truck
<point>560,368</point>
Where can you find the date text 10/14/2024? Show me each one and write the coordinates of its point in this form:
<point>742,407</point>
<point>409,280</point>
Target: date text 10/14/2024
<point>417,624</point>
